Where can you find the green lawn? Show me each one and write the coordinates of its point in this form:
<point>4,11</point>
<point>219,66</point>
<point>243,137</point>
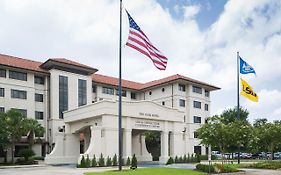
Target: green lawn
<point>151,171</point>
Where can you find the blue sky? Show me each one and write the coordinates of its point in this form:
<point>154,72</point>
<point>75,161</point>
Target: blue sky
<point>200,39</point>
<point>208,14</point>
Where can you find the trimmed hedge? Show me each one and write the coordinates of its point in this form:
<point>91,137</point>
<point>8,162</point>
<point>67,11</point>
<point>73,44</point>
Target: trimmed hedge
<point>217,168</point>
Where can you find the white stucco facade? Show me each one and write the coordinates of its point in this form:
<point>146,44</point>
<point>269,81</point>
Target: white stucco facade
<point>165,105</point>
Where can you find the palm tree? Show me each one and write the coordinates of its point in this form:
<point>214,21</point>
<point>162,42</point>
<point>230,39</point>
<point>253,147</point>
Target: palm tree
<point>33,128</point>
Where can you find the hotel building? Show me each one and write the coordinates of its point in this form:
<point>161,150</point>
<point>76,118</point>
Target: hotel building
<point>69,98</point>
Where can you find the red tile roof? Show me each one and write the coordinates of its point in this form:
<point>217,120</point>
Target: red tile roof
<point>66,61</point>
<point>140,86</point>
<point>21,63</point>
<point>103,79</point>
<point>175,77</point>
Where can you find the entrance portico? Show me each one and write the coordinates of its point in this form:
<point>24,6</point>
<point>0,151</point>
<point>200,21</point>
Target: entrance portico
<point>101,121</point>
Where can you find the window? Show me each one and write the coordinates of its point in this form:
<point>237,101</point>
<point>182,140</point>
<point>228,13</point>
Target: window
<point>182,87</point>
<point>18,75</point>
<point>163,89</point>
<point>2,109</point>
<point>39,115</point>
<point>124,93</point>
<point>207,93</point>
<point>18,94</point>
<point>39,80</point>
<point>197,104</point>
<point>195,135</point>
<point>63,95</point>
<point>22,111</point>
<point>197,89</point>
<point>163,103</point>
<point>2,73</point>
<point>206,107</point>
<point>196,119</point>
<point>197,150</point>
<point>2,92</point>
<point>94,88</point>
<point>182,102</point>
<point>39,97</point>
<point>133,95</point>
<point>107,90</point>
<point>82,92</point>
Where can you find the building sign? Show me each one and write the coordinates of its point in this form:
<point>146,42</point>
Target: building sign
<point>148,114</point>
<point>147,124</point>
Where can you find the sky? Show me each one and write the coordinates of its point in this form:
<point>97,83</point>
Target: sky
<point>200,38</point>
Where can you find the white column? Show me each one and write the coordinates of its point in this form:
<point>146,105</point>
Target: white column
<point>127,142</point>
<point>164,147</point>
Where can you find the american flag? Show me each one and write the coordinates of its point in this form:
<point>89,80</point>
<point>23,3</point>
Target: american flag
<point>139,41</point>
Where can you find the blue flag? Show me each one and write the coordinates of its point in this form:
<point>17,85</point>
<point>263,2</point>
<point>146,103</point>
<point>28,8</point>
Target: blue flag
<point>245,68</point>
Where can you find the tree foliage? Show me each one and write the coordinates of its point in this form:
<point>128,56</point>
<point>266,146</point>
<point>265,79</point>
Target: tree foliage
<point>226,132</point>
<point>13,126</point>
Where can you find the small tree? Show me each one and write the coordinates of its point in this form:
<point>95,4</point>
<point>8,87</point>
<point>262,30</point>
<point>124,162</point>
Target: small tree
<point>101,160</point>
<point>192,158</point>
<point>184,159</point>
<point>88,162</point>
<point>188,158</point>
<point>26,153</point>
<point>176,159</point>
<point>180,159</point>
<point>134,163</point>
<point>170,161</point>
<point>128,163</point>
<point>94,161</point>
<point>197,158</point>
<point>108,161</point>
<point>114,160</point>
<point>82,162</point>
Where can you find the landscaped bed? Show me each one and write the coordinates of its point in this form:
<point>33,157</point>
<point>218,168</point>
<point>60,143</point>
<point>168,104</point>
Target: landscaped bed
<point>217,168</point>
<point>150,171</point>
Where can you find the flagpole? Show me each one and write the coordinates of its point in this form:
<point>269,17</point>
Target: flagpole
<point>120,94</point>
<point>238,101</point>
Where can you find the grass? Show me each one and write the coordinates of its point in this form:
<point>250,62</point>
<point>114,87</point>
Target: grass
<point>150,171</point>
<point>262,165</point>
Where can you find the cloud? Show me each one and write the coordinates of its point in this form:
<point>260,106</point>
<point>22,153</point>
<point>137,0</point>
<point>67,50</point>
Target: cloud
<point>268,105</point>
<point>88,31</point>
<point>191,10</point>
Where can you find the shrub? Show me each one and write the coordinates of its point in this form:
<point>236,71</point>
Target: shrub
<point>134,163</point>
<point>108,161</point>
<point>94,161</point>
<point>38,158</point>
<point>114,160</point>
<point>205,168</point>
<point>26,153</point>
<point>197,158</point>
<point>88,162</point>
<point>101,160</point>
<point>170,161</point>
<point>128,163</point>
<point>82,163</point>
<point>188,158</point>
<point>184,159</point>
<point>217,168</point>
<point>180,159</point>
<point>176,159</point>
<point>192,158</point>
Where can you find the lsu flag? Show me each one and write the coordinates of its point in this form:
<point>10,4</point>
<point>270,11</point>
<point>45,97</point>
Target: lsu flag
<point>248,92</point>
<point>245,68</point>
